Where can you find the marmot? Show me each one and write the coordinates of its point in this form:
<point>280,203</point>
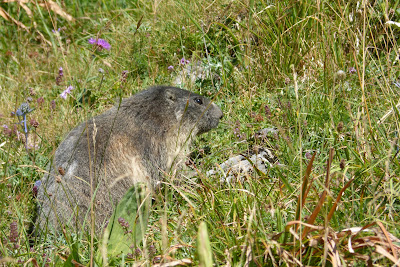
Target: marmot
<point>135,141</point>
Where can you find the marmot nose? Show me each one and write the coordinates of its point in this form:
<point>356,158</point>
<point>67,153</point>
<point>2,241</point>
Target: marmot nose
<point>217,111</point>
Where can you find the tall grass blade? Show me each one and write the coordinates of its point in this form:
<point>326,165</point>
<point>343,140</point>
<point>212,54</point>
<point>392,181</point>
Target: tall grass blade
<point>388,240</point>
<point>330,214</point>
<point>323,196</point>
<point>204,246</point>
<point>302,197</point>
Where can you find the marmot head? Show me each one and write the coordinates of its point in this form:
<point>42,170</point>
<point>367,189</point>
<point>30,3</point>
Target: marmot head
<point>196,112</point>
<point>166,108</point>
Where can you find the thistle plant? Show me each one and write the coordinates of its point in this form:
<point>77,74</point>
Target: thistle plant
<point>21,113</point>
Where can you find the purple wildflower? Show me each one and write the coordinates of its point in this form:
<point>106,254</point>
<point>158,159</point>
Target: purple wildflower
<point>92,41</point>
<point>170,67</point>
<point>184,61</point>
<point>60,76</point>
<point>124,76</point>
<point>100,43</point>
<point>123,222</point>
<point>352,70</point>
<point>66,92</point>
<point>237,132</point>
<point>125,225</point>
<point>35,188</point>
<point>64,95</point>
<point>138,252</point>
<point>103,44</point>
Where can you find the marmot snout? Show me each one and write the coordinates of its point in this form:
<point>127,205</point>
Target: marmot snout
<point>135,141</point>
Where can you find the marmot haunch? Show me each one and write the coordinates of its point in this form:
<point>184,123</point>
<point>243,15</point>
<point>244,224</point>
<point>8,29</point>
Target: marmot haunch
<point>136,141</point>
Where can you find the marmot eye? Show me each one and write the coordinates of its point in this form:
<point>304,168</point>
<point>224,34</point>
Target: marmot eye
<point>198,101</point>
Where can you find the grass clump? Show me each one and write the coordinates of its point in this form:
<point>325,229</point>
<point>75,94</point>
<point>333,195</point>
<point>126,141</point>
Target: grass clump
<point>324,74</point>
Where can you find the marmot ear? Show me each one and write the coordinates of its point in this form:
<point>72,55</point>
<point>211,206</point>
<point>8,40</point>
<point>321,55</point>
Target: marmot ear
<point>170,95</point>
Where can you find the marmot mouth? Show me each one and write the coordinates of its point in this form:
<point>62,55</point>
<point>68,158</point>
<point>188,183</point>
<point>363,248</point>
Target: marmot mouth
<point>213,124</point>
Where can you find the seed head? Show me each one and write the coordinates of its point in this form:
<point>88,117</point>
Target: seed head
<point>342,164</point>
<point>34,123</point>
<point>14,232</point>
<point>32,91</point>
<point>267,111</point>
<point>339,127</point>
<point>61,171</point>
<point>340,75</point>
<point>40,101</point>
<point>53,105</point>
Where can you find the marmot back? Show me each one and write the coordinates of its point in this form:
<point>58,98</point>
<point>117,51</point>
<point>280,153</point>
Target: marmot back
<point>135,141</point>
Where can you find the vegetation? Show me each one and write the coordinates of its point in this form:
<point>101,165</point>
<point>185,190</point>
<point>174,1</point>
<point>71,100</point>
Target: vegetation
<point>324,73</point>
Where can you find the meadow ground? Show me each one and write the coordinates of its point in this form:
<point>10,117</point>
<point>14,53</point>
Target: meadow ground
<point>325,74</point>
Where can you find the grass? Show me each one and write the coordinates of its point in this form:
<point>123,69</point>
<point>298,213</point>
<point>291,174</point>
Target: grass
<point>322,73</point>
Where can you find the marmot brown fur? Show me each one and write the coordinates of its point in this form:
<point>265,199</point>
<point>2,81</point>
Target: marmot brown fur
<point>135,141</point>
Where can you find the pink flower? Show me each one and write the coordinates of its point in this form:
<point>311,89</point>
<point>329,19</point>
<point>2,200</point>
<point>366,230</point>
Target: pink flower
<point>66,92</point>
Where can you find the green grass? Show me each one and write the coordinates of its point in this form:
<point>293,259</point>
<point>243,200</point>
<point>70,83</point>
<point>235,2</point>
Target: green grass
<point>286,55</point>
